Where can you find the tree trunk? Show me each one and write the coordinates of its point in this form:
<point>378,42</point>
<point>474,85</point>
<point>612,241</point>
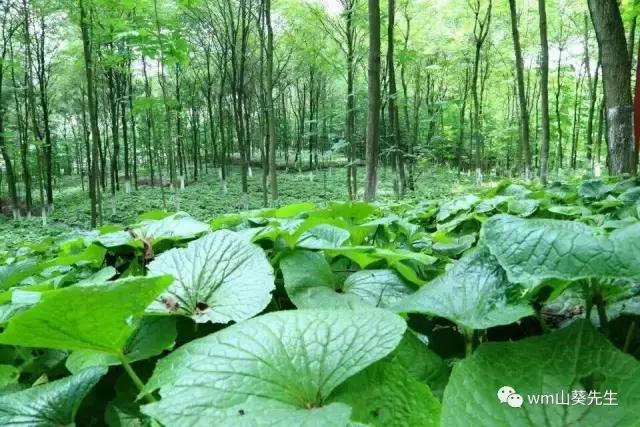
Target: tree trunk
<point>480,32</point>
<point>271,126</point>
<point>394,121</point>
<point>522,98</point>
<point>93,115</point>
<point>544,92</point>
<point>616,67</point>
<point>373,117</point>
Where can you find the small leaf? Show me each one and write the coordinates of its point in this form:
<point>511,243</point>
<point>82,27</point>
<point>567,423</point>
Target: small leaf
<point>8,375</point>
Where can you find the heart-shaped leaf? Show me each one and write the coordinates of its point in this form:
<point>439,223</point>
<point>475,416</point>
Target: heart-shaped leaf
<point>218,278</point>
<point>555,365</point>
<point>538,249</point>
<point>179,225</point>
<point>310,283</point>
<point>323,236</point>
<point>278,369</point>
<point>472,293</point>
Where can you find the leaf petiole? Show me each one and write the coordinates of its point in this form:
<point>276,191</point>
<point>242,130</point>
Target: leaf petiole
<point>135,378</point>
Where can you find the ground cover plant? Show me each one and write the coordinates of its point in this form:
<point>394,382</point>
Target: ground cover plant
<point>340,314</point>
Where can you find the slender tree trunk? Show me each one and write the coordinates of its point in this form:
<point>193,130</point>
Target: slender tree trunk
<point>22,122</point>
<point>149,128</point>
<point>636,109</point>
<point>113,96</point>
<point>522,98</point>
<point>47,148</point>
<point>373,117</point>
<point>575,130</point>
<point>480,31</point>
<point>134,137</point>
<point>544,92</point>
<point>560,155</point>
<point>394,121</point>
<point>273,140</point>
<point>123,119</point>
<point>93,115</point>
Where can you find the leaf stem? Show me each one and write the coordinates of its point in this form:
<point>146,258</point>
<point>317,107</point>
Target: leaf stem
<point>629,337</point>
<point>588,296</point>
<point>135,378</point>
<point>602,313</point>
<point>468,342</point>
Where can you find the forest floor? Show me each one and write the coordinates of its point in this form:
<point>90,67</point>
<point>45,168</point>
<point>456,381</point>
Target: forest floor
<point>204,199</point>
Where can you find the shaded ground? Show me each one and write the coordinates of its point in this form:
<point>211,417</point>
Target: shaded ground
<point>205,198</point>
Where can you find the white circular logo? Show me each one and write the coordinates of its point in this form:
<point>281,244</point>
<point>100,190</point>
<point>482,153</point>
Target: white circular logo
<point>508,395</point>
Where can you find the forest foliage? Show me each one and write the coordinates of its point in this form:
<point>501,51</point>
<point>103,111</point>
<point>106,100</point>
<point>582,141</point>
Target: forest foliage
<point>348,314</point>
<point>127,94</point>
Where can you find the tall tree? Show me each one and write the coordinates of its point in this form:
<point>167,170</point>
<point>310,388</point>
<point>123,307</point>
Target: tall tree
<point>271,125</point>
<point>8,29</point>
<point>522,97</point>
<point>373,116</point>
<point>394,121</point>
<point>480,31</point>
<point>544,92</point>
<point>616,69</point>
<point>94,188</point>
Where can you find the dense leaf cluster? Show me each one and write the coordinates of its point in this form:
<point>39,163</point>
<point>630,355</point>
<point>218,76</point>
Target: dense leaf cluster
<point>347,314</point>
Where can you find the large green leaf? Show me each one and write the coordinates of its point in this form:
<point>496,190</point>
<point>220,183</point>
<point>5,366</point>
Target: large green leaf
<point>219,278</point>
<point>98,317</point>
<point>310,283</point>
<point>538,249</point>
<point>179,225</point>
<point>461,204</point>
<point>594,189</point>
<point>522,207</point>
<point>154,335</point>
<point>386,395</point>
<point>323,236</point>
<point>49,405</point>
<point>378,288</point>
<point>472,293</point>
<point>421,362</point>
<point>449,245</point>
<point>274,370</point>
<point>575,358</point>
<point>14,275</point>
<point>398,259</point>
